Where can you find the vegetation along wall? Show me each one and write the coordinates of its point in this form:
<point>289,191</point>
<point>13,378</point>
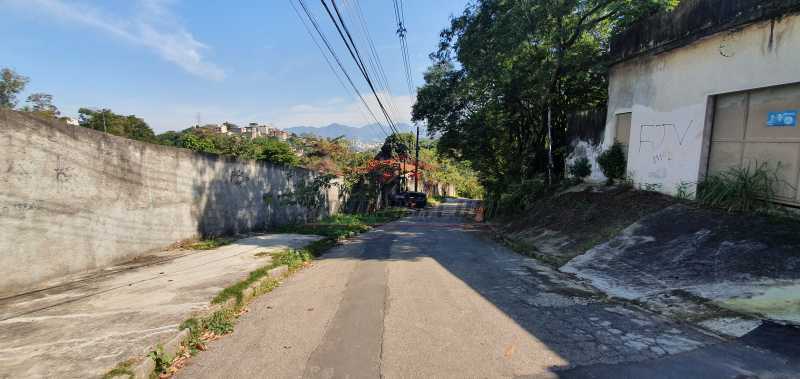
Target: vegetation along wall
<point>73,199</point>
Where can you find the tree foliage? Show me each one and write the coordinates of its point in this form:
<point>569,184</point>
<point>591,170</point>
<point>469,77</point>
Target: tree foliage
<point>581,168</point>
<point>262,148</point>
<point>397,145</point>
<point>613,162</point>
<point>124,126</point>
<point>41,104</point>
<point>508,72</point>
<point>11,84</point>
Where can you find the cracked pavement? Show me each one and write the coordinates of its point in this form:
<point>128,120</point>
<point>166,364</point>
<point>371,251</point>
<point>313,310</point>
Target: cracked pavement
<point>431,296</point>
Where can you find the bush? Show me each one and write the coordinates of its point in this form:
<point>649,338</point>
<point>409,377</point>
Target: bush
<point>613,162</point>
<point>519,197</point>
<point>740,189</point>
<point>581,168</point>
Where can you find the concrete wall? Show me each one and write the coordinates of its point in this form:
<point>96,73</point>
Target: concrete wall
<point>671,96</point>
<point>74,200</point>
<point>591,151</point>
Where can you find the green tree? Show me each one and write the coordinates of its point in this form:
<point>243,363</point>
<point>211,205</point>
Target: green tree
<point>170,138</point>
<point>11,84</point>
<point>199,142</point>
<point>42,104</point>
<point>397,145</point>
<point>274,150</point>
<point>508,72</point>
<point>125,126</point>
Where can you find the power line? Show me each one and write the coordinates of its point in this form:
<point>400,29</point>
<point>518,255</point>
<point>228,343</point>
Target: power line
<point>350,91</point>
<point>373,56</point>
<point>399,14</point>
<point>313,21</point>
<point>355,54</point>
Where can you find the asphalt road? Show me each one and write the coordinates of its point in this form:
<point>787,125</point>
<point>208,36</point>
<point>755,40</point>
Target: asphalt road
<point>432,296</point>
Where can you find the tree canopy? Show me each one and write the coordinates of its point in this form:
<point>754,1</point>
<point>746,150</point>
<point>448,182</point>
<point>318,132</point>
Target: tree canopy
<point>508,72</point>
<point>42,104</point>
<point>124,126</point>
<point>204,141</point>
<point>11,84</point>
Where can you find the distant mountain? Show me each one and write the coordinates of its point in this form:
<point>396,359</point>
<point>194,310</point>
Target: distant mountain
<point>369,134</point>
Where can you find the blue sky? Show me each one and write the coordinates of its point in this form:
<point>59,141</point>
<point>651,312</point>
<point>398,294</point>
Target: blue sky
<point>168,60</point>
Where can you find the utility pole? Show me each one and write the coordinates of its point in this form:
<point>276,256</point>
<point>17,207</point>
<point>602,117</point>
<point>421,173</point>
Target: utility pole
<point>403,173</point>
<point>416,165</point>
<point>549,146</point>
<point>105,129</point>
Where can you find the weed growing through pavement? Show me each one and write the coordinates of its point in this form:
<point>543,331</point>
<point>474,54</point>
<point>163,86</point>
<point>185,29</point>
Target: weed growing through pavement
<point>162,360</point>
<point>210,243</point>
<point>220,322</point>
<point>345,225</point>
<point>194,342</point>
<point>123,369</point>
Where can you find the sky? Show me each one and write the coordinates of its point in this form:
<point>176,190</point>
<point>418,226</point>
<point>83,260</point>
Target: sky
<point>170,61</point>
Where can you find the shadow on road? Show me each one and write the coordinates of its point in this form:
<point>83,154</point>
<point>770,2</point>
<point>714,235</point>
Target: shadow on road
<point>595,336</point>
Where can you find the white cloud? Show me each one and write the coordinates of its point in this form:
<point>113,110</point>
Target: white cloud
<point>152,26</point>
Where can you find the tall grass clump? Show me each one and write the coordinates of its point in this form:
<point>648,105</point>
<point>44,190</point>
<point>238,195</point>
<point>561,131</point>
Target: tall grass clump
<point>740,189</point>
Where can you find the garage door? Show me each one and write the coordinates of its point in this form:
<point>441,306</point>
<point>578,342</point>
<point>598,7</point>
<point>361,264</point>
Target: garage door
<point>759,126</point>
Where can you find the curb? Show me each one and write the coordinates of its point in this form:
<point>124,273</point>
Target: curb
<point>144,368</point>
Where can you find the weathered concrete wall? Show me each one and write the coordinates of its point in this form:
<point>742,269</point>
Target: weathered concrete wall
<point>671,96</point>
<point>73,200</point>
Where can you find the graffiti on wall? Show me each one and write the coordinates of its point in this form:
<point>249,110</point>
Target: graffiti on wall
<point>19,209</point>
<point>62,171</point>
<point>239,177</point>
<point>659,137</point>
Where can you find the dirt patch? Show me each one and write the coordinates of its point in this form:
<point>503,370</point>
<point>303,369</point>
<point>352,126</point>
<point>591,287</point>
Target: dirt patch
<point>564,226</point>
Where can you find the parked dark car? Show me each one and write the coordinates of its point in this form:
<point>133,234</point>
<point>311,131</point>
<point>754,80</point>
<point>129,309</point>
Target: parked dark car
<point>416,199</point>
<point>398,199</point>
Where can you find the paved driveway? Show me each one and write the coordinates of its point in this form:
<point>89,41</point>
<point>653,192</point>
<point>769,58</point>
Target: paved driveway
<point>84,327</point>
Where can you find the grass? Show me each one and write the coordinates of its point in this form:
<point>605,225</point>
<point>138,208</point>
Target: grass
<point>345,225</point>
<point>123,369</point>
<point>237,290</point>
<point>435,200</point>
<point>740,189</point>
<point>210,243</point>
<point>220,322</point>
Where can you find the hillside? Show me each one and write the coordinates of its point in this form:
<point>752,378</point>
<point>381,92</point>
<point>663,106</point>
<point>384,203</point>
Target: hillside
<point>365,134</point>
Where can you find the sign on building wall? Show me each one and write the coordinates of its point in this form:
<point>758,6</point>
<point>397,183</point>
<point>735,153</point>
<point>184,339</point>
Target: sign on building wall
<point>785,119</point>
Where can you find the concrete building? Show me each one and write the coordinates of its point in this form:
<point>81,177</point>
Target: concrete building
<point>252,130</point>
<point>279,134</point>
<point>712,85</point>
<point>214,128</point>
